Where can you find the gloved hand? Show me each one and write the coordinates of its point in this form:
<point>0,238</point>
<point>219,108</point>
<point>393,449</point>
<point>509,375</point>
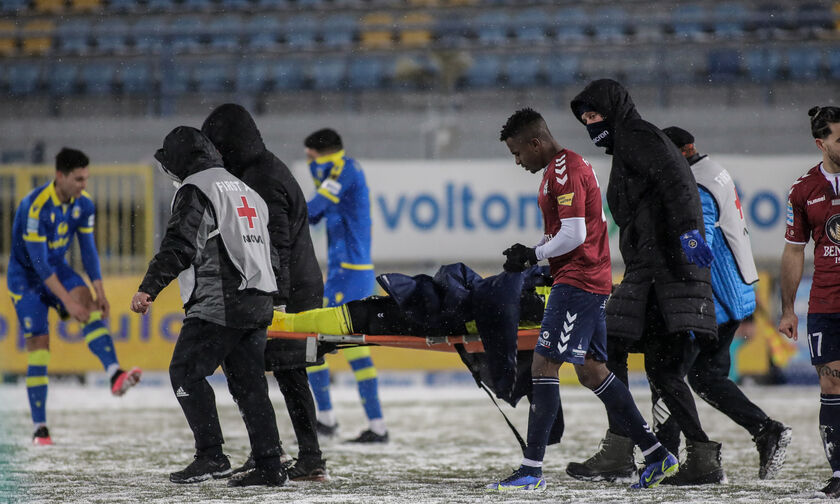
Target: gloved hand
<point>696,249</point>
<point>519,257</point>
<point>280,308</point>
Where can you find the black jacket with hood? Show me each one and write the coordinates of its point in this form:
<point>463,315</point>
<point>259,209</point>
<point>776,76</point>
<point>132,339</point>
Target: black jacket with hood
<point>300,283</point>
<point>653,198</point>
<point>216,296</point>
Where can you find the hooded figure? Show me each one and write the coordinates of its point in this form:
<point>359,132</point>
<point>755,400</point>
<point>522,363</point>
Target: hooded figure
<point>653,198</point>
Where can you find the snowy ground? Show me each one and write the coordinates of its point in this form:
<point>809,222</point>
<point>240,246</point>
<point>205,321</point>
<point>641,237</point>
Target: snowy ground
<point>446,442</point>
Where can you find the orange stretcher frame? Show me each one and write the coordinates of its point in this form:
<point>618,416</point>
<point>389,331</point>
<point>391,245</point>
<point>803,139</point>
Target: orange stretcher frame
<point>472,342</point>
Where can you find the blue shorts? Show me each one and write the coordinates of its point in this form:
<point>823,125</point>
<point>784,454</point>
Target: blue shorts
<point>574,326</point>
<point>824,337</point>
<point>33,301</point>
<point>345,285</point>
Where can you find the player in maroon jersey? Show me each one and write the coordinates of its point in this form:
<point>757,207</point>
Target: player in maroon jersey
<point>573,330</point>
<point>813,211</point>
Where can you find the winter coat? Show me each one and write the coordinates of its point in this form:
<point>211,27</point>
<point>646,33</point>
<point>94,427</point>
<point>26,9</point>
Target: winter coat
<point>300,283</point>
<point>653,198</point>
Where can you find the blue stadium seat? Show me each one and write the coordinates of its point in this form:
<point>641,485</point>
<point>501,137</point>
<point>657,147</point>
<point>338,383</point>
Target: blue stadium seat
<point>287,75</point>
<point>253,77</point>
<point>224,33</point>
<point>73,35</point>
<point>366,73</point>
<point>22,78</point>
<point>834,64</point>
<point>451,31</point>
<point>769,19</point>
<point>186,34</point>
<point>484,71</point>
<point>61,79</point>
<point>136,78</point>
<point>229,5</point>
<point>729,20</point>
<point>563,69</point>
<point>610,24</point>
<point>328,74</point>
<point>213,77</point>
<point>111,36</point>
<point>160,5</point>
<point>763,65</point>
<point>272,4</point>
<point>309,4</point>
<point>122,5</point>
<point>300,31</point>
<point>175,79</point>
<point>263,30</point>
<point>689,21</point>
<point>523,70</point>
<point>148,34</point>
<point>530,25</point>
<point>804,63</point>
<point>197,5</point>
<point>491,28</point>
<point>813,16</point>
<point>724,65</point>
<point>570,25</point>
<point>14,6</point>
<point>338,30</point>
<point>98,78</point>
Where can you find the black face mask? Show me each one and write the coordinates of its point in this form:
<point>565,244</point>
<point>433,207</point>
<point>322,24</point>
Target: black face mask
<point>601,134</point>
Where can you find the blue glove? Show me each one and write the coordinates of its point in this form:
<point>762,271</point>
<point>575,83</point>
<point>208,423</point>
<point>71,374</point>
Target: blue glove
<point>696,249</point>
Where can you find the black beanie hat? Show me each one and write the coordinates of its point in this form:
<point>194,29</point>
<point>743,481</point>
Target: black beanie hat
<point>679,136</point>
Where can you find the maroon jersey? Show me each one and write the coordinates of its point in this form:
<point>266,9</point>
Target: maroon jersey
<point>570,189</point>
<point>813,211</point>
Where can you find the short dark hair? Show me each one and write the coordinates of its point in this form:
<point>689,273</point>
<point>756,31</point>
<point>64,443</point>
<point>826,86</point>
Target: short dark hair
<point>821,117</point>
<point>69,159</point>
<point>520,121</point>
<point>324,140</point>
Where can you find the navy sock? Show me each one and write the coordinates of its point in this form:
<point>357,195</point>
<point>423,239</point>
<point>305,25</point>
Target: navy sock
<point>544,406</point>
<point>830,428</point>
<point>623,410</point>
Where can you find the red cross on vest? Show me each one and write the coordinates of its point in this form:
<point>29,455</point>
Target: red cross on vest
<point>247,212</point>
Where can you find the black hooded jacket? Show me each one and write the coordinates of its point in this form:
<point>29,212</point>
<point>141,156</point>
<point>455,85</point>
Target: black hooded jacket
<point>216,296</point>
<point>654,199</point>
<point>300,284</point>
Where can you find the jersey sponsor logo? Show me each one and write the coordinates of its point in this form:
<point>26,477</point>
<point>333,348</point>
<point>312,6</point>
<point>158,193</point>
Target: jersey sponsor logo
<point>57,244</point>
<point>332,186</point>
<point>31,225</point>
<point>77,212</point>
<point>816,200</point>
<point>91,220</point>
<point>543,341</point>
<point>62,228</point>
<point>832,251</point>
<point>832,229</point>
<point>565,199</point>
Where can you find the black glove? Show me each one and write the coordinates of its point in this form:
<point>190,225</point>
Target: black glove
<point>519,257</point>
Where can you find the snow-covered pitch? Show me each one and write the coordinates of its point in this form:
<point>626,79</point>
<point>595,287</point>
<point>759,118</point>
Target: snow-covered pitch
<point>446,443</point>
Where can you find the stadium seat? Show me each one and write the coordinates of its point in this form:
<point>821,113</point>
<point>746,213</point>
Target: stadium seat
<point>414,29</point>
<point>229,5</point>
<point>328,75</point>
<point>689,22</point>
<point>14,6</point>
<point>136,77</point>
<point>86,5</point>
<point>491,28</point>
<point>175,79</point>
<point>523,70</point>
<point>301,31</point>
<point>729,20</point>
<point>763,65</point>
<point>252,77</point>
<point>224,32</point>
<point>338,30</point>
<point>272,4</point>
<point>376,30</point>
<point>22,78</point>
<point>724,65</point>
<point>148,34</point>
<point>411,71</point>
<point>115,6</point>
<point>529,25</point>
<point>562,69</point>
<point>610,24</point>
<point>366,73</point>
<point>769,20</point>
<point>263,30</point>
<point>73,35</point>
<point>186,34</point>
<point>287,75</point>
<point>61,79</point>
<point>8,41</point>
<point>484,71</point>
<point>451,31</point>
<point>834,64</point>
<point>309,4</point>
<point>813,18</point>
<point>213,77</point>
<point>197,5</point>
<point>570,25</point>
<point>37,37</point>
<point>111,36</point>
<point>48,6</point>
<point>160,5</point>
<point>98,78</point>
<point>804,63</point>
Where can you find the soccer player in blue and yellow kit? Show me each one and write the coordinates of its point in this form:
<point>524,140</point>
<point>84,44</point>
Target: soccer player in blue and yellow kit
<point>342,199</point>
<point>40,278</point>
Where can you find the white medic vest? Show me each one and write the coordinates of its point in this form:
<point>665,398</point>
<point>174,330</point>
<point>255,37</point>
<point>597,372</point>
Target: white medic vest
<point>715,179</point>
<point>242,220</point>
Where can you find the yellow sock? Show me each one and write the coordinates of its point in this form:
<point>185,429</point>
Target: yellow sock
<point>334,320</point>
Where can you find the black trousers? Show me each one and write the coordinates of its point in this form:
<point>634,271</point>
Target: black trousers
<point>294,385</point>
<point>201,348</point>
<point>668,357</point>
<point>709,378</point>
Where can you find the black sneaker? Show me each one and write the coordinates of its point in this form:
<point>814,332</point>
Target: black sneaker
<point>203,468</point>
<point>41,437</point>
<point>771,443</point>
<point>831,490</point>
<point>249,464</point>
<point>309,470</point>
<point>369,436</point>
<point>259,476</point>
<point>325,430</point>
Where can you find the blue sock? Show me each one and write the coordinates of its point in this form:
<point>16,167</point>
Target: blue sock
<point>368,385</point>
<point>545,394</point>
<point>319,380</point>
<point>830,428</point>
<point>36,385</point>
<point>622,409</point>
<point>99,341</point>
